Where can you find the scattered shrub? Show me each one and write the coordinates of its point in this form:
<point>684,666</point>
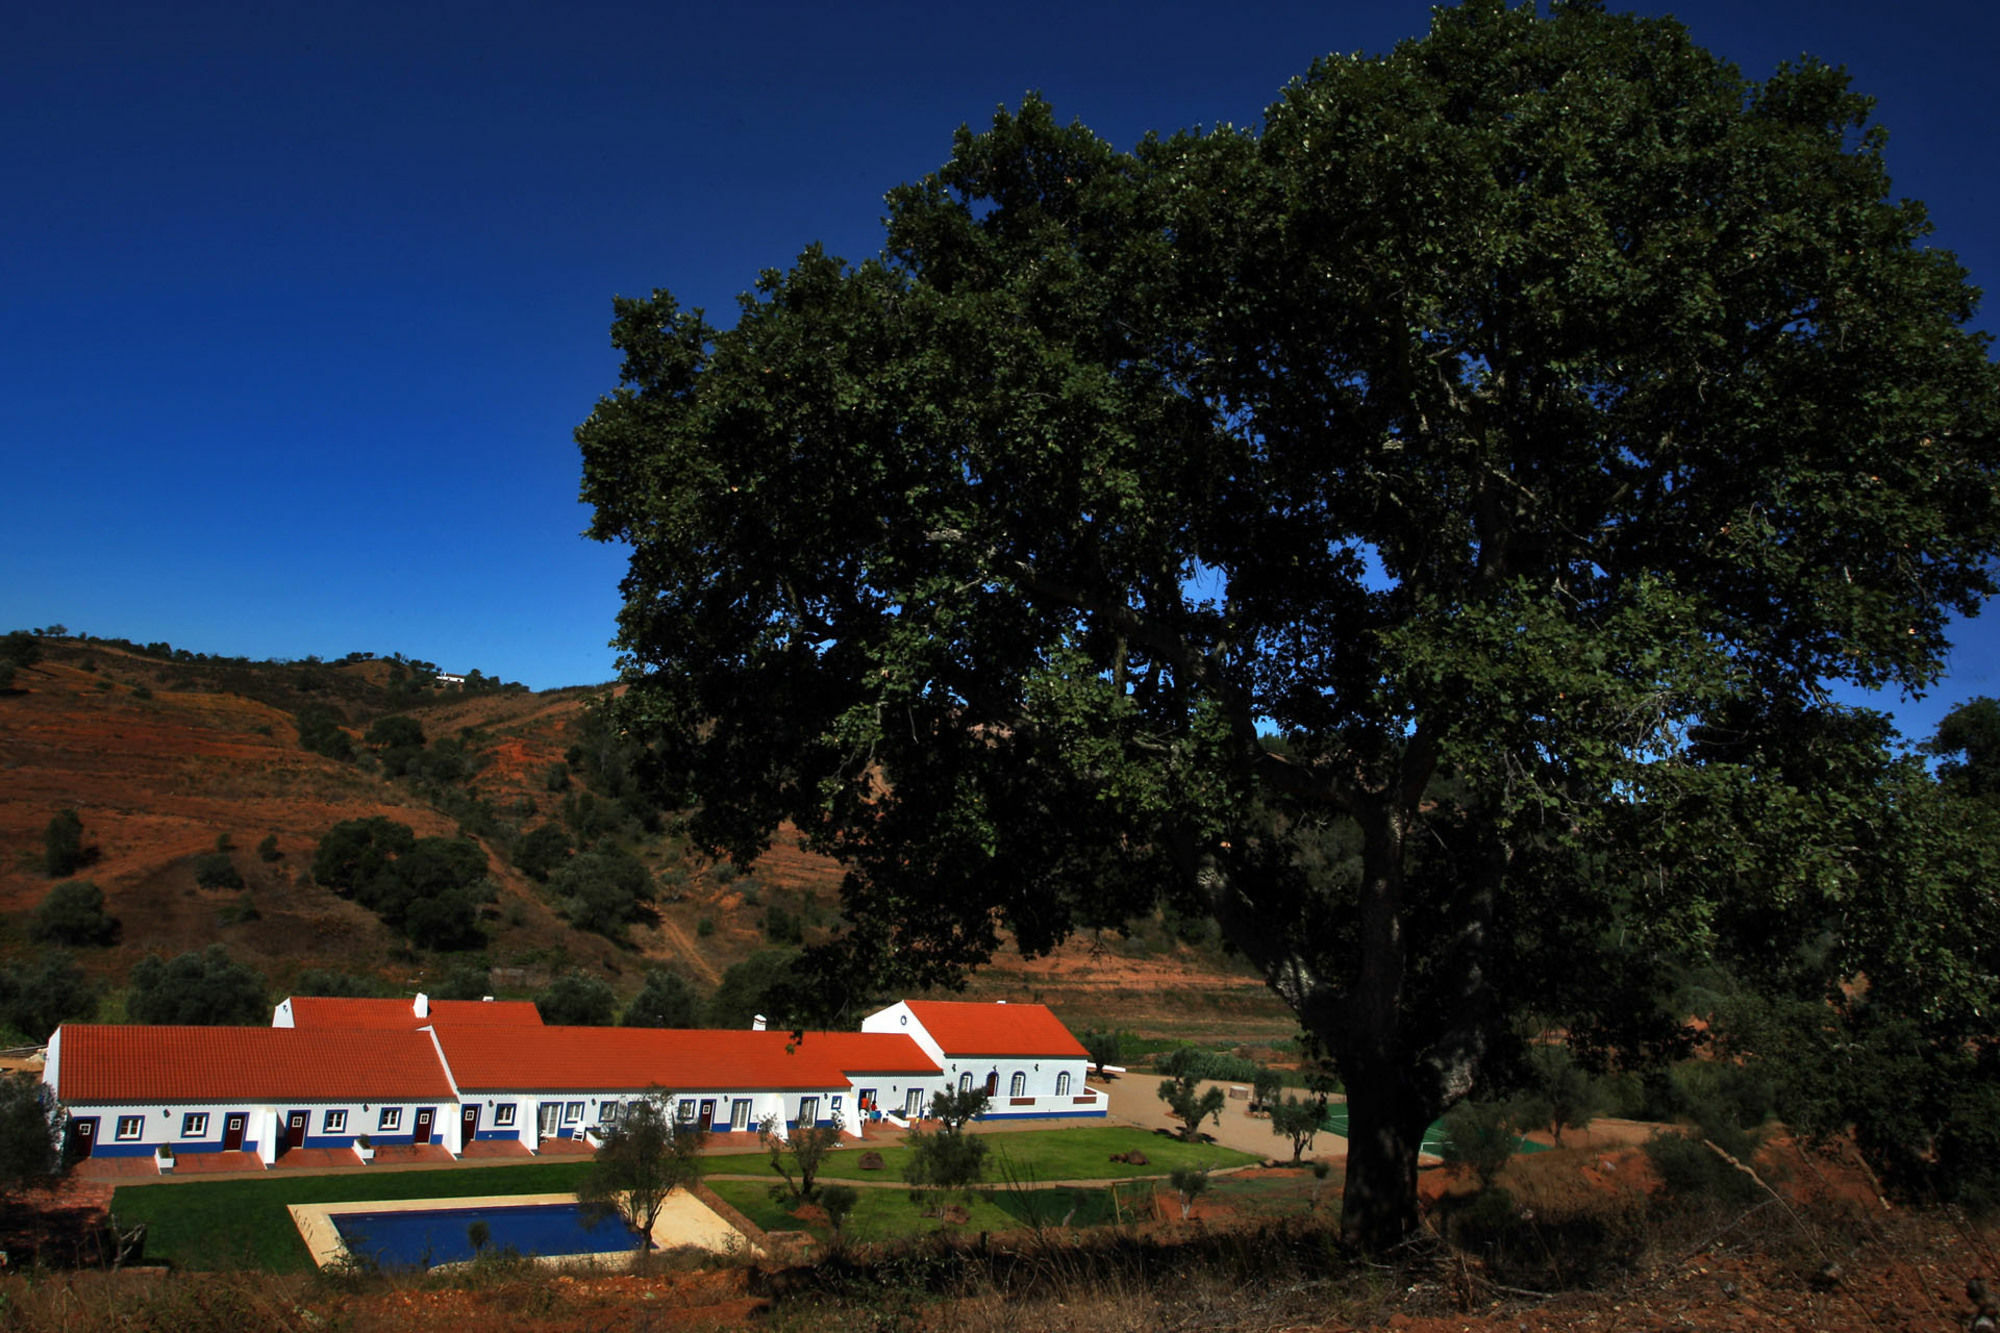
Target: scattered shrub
<point>73,913</point>
<point>214,870</point>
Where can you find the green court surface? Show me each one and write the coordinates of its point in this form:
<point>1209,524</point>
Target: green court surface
<point>1434,1137</point>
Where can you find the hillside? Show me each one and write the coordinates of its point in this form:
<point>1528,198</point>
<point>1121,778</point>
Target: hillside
<point>163,754</point>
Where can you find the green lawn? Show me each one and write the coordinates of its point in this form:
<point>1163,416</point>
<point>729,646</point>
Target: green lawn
<point>230,1224</point>
<point>886,1214</point>
<point>1035,1156</point>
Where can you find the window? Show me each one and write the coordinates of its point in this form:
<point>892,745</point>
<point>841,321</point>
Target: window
<point>1062,1084</point>
<point>390,1119</point>
<point>336,1122</point>
<point>131,1126</point>
<point>503,1115</point>
<point>965,1082</point>
<point>739,1113</point>
<point>808,1110</point>
<point>833,1107</point>
<point>684,1111</point>
<point>194,1125</point>
<point>572,1112</point>
<point>608,1112</point>
<point>1017,1086</point>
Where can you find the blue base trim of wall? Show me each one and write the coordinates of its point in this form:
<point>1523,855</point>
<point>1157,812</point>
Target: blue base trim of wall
<point>1045,1115</point>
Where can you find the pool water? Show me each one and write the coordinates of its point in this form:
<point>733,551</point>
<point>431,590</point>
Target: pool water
<point>420,1238</point>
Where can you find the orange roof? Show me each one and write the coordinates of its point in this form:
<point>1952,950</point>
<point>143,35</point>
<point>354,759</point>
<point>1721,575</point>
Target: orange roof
<point>321,1011</point>
<point>676,1059</point>
<point>963,1027</point>
<point>871,1052</point>
<point>104,1063</point>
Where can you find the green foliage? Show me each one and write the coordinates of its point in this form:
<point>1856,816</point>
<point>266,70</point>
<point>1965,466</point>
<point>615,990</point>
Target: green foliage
<point>63,852</point>
<point>469,980</point>
<point>204,989</point>
<point>642,1158</point>
<point>73,914</point>
<point>429,888</point>
<point>1219,1066</point>
<point>320,732</point>
<point>396,732</point>
<point>1264,1086</point>
<point>955,1108</point>
<point>602,890</point>
<point>783,927</point>
<point>30,1138</point>
<point>1189,1182</point>
<point>1104,1048</point>
<point>267,850</point>
<point>1560,1096</point>
<point>20,649</point>
<point>38,997</point>
<point>332,982</point>
<point>1968,743</point>
<point>1188,1103</point>
<point>215,870</point>
<point>1298,1119</point>
<point>576,1000</point>
<point>947,1158</point>
<point>757,985</point>
<point>1510,422</point>
<point>797,1155</point>
<point>1480,1135</point>
<point>837,1201</point>
<point>665,1001</point>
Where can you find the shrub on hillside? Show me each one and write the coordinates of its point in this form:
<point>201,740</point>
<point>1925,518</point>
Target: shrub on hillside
<point>538,852</point>
<point>36,999</point>
<point>63,852</point>
<point>207,989</point>
<point>73,913</point>
<point>214,870</point>
<point>575,1000</point>
<point>429,888</point>
<point>320,732</point>
<point>665,1001</point>
<point>602,890</point>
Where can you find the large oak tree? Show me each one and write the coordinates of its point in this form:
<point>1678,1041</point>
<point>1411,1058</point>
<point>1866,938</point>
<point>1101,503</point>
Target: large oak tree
<point>1518,425</point>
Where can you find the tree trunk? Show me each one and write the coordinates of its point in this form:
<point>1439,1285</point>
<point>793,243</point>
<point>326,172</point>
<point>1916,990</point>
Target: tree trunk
<point>1379,1205</point>
<point>1385,1126</point>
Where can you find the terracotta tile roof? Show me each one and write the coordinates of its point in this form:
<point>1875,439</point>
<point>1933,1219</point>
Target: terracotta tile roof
<point>871,1052</point>
<point>169,1065</point>
<point>320,1011</point>
<point>966,1028</point>
<point>678,1060</point>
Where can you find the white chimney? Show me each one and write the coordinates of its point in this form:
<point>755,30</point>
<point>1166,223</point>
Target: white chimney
<point>759,1023</point>
<point>423,1005</point>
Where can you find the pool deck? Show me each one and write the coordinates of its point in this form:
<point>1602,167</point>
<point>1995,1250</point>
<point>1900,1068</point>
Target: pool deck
<point>683,1221</point>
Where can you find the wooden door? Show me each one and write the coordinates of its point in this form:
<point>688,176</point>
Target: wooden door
<point>468,1125</point>
<point>295,1129</point>
<point>707,1119</point>
<point>232,1130</point>
<point>82,1137</point>
<point>422,1132</point>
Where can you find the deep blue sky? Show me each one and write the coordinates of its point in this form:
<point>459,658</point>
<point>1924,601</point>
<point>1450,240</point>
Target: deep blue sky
<point>299,304</point>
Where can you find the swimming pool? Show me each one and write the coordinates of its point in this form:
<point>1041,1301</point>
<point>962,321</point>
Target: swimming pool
<point>424,1238</point>
<point>414,1232</point>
